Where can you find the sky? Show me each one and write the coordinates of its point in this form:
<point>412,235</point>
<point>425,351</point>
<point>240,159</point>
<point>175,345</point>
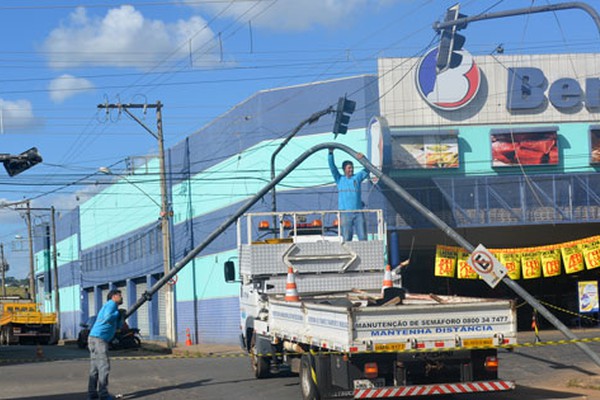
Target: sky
<point>199,58</point>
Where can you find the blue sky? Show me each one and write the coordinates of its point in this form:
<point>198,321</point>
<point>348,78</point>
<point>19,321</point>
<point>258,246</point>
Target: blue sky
<point>61,58</point>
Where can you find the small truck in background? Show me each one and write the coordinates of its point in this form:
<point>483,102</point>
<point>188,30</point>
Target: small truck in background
<point>313,304</point>
<point>23,322</point>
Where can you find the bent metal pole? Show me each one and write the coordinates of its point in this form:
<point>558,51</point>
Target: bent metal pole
<point>434,219</point>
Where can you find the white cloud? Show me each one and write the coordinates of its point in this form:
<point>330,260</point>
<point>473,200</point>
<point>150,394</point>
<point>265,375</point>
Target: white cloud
<point>294,15</point>
<point>123,38</point>
<point>66,86</point>
<point>16,114</point>
<point>10,217</point>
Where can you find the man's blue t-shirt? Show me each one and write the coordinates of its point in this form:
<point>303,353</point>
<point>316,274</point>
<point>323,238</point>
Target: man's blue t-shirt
<point>107,322</point>
<point>349,194</point>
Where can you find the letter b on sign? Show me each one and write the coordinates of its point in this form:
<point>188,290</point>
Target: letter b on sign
<point>526,88</point>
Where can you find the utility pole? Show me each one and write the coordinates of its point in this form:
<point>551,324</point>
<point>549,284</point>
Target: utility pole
<point>54,252</point>
<point>165,212</point>
<point>32,293</point>
<point>55,262</point>
<point>3,269</point>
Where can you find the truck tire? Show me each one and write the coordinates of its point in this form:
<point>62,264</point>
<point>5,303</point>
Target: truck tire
<point>4,336</point>
<point>307,384</point>
<point>261,365</point>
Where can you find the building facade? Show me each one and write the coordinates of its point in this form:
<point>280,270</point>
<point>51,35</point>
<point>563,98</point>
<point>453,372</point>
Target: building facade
<point>504,149</point>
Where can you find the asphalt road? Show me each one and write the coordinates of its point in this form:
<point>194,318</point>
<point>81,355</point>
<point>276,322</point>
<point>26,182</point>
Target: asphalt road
<point>541,373</point>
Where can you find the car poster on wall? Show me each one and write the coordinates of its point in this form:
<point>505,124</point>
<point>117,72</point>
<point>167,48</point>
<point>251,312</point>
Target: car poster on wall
<point>594,146</point>
<point>531,148</point>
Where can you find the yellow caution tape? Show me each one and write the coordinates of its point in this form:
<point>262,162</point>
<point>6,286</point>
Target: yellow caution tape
<point>237,355</point>
<point>569,312</point>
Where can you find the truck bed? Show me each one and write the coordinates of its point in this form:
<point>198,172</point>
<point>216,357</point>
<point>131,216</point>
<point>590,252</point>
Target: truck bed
<point>349,322</point>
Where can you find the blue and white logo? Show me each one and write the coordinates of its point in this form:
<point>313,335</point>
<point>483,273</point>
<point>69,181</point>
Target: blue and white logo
<point>453,88</point>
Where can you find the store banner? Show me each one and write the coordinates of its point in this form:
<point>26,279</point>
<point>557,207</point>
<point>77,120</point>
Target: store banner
<point>531,264</point>
<point>525,263</point>
<point>512,261</point>
<point>588,296</point>
<point>591,254</point>
<point>464,270</point>
<point>550,259</point>
<point>445,261</point>
<point>572,258</point>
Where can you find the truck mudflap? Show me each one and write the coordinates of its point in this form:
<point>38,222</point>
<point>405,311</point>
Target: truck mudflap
<point>435,389</point>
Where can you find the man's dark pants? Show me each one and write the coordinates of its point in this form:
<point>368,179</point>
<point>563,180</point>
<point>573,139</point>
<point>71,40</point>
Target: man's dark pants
<point>99,369</point>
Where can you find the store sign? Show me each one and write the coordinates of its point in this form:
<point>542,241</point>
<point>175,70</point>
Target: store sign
<point>451,89</point>
<point>378,145</point>
<point>527,91</point>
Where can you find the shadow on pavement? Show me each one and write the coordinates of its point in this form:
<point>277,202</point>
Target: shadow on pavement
<point>64,396</point>
<point>532,393</point>
<point>140,394</point>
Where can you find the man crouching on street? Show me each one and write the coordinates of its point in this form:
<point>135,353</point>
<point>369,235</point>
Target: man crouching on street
<point>108,320</point>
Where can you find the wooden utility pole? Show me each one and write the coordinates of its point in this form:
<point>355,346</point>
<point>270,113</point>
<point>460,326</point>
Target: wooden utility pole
<point>55,262</point>
<point>165,212</point>
<point>32,293</point>
<point>3,269</point>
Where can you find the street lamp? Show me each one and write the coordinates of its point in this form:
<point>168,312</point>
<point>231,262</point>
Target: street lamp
<point>310,120</point>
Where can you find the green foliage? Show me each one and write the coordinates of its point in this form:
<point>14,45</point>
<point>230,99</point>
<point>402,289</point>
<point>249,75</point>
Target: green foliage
<point>16,287</point>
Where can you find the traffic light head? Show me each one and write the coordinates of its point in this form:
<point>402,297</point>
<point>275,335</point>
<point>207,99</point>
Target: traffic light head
<point>450,42</point>
<point>344,110</point>
<point>17,164</point>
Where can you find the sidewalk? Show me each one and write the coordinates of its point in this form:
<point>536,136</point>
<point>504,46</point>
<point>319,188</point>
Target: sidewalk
<point>207,349</point>
<point>585,378</point>
<point>552,334</point>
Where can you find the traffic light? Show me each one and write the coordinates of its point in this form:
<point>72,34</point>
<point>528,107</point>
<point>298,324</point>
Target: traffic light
<point>345,108</point>
<point>450,42</point>
<point>14,165</point>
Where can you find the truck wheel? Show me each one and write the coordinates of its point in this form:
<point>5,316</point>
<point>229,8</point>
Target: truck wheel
<point>3,337</point>
<point>307,384</point>
<point>260,364</point>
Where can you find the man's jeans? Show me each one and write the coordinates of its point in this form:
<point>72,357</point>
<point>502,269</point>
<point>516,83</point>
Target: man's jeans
<point>351,222</point>
<point>99,369</point>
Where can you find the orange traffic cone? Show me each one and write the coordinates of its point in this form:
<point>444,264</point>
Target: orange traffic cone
<point>291,291</point>
<point>188,337</point>
<point>387,278</point>
<point>39,352</point>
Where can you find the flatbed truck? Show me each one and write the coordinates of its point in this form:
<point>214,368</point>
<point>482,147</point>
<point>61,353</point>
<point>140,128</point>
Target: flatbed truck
<point>345,336</point>
<point>23,322</point>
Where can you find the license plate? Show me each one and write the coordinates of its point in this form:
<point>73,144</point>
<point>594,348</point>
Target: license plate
<point>369,383</point>
<point>390,347</point>
<point>478,342</point>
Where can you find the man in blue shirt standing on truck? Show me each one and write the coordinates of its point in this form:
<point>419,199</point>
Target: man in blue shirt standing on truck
<point>108,320</point>
<point>349,197</point>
